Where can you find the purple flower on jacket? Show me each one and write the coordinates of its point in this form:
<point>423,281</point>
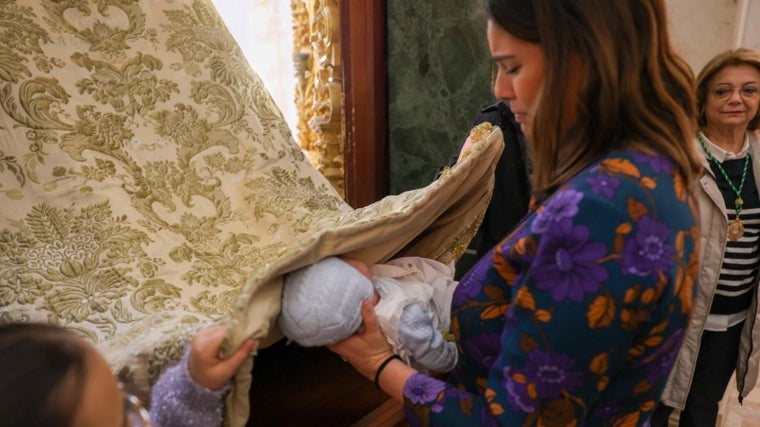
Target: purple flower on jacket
<point>551,373</point>
<point>603,183</point>
<point>664,357</point>
<point>659,163</point>
<point>567,263</point>
<point>471,283</point>
<point>647,251</point>
<point>484,348</point>
<point>421,389</point>
<point>605,410</point>
<point>562,206</point>
<point>517,392</point>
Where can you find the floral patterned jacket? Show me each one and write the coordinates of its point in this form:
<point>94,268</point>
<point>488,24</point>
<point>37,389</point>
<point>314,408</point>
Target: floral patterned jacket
<point>577,316</point>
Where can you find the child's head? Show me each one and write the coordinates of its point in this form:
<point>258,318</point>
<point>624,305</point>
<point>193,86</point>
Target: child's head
<point>321,303</point>
<point>53,378</point>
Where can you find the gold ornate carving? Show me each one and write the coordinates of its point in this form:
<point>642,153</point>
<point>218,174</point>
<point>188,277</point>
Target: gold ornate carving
<point>319,96</point>
<point>302,56</point>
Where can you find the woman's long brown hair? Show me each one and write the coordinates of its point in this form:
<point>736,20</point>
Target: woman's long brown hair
<point>636,92</point>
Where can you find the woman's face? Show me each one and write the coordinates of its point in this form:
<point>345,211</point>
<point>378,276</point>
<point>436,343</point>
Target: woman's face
<point>520,71</point>
<point>732,97</point>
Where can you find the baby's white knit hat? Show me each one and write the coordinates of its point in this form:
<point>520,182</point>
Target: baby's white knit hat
<point>321,303</point>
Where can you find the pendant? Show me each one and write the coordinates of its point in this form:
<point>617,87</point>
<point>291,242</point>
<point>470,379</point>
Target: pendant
<point>735,230</point>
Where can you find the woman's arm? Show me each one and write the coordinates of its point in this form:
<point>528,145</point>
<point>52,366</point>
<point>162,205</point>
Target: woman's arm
<point>368,349</point>
<point>194,389</point>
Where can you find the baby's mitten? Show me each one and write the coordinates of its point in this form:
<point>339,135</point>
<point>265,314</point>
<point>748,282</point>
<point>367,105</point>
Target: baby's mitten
<point>426,344</point>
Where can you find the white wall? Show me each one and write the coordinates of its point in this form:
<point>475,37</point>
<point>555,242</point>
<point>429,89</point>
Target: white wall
<point>700,29</point>
<point>749,24</point>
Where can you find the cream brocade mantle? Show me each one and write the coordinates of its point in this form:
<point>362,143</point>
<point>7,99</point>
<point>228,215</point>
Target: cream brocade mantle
<point>149,185</point>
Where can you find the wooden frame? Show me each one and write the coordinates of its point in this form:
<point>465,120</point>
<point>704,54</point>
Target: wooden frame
<point>363,51</point>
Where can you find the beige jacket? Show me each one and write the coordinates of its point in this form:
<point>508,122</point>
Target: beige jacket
<point>714,225</point>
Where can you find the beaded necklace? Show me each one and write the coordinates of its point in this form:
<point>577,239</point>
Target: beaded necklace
<point>735,228</point>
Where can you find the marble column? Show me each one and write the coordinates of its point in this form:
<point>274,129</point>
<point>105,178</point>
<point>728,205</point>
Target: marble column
<point>438,78</point>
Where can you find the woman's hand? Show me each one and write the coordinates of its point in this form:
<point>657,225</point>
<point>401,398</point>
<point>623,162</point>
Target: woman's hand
<point>205,366</point>
<point>366,349</point>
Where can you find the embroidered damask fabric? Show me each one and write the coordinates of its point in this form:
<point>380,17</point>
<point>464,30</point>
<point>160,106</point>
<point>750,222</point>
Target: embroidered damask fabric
<point>149,185</point>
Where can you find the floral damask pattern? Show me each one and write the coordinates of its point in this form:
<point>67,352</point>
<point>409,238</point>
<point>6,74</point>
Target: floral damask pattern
<point>103,131</point>
<point>126,130</point>
<point>149,185</point>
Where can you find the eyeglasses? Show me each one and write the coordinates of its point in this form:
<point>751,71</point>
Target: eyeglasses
<point>135,414</point>
<point>746,92</point>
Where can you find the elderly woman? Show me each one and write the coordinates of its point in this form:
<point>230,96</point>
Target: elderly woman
<point>724,333</point>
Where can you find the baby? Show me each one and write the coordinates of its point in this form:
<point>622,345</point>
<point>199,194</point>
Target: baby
<point>321,305</point>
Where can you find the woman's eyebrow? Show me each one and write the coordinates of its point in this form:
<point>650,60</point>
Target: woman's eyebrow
<point>499,58</point>
<point>748,82</point>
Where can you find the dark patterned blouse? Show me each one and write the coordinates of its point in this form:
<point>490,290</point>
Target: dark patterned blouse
<point>577,316</point>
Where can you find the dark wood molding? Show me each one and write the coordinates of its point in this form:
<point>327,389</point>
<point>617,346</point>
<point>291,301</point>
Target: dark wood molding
<point>300,386</point>
<point>364,60</point>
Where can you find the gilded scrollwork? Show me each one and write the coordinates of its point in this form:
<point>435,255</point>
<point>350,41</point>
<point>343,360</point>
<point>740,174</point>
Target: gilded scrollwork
<point>319,95</point>
<point>302,56</point>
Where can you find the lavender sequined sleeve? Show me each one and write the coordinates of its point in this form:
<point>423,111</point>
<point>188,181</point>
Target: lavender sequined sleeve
<point>178,401</point>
